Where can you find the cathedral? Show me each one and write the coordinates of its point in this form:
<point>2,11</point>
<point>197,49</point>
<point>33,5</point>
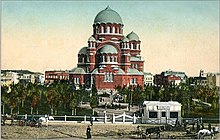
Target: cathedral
<point>110,58</point>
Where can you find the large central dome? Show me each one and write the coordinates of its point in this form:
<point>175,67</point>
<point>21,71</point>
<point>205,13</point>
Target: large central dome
<point>108,16</point>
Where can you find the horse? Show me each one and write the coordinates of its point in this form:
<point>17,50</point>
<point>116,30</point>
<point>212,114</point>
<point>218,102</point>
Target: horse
<point>44,119</point>
<point>205,132</point>
<point>8,117</point>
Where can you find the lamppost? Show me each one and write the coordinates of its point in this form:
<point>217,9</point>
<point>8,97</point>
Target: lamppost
<point>130,102</point>
<point>91,82</point>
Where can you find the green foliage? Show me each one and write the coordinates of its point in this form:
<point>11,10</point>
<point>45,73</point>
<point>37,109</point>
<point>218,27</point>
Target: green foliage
<point>94,99</point>
<point>182,93</point>
<point>63,97</point>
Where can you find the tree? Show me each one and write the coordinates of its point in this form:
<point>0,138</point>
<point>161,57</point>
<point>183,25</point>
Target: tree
<point>138,95</point>
<point>52,97</point>
<point>22,92</point>
<point>94,100</point>
<point>4,98</point>
<point>13,97</point>
<point>34,95</point>
<point>74,102</point>
<point>215,98</point>
<point>149,93</point>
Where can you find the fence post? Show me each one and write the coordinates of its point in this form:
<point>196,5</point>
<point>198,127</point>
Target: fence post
<point>65,118</point>
<point>113,118</point>
<point>134,119</point>
<point>85,119</point>
<point>105,119</point>
<point>123,117</point>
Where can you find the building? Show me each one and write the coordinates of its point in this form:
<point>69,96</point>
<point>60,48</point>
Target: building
<point>206,79</point>
<point>169,77</point>
<point>9,77</point>
<point>148,79</point>
<point>39,78</point>
<point>110,58</point>
<point>56,75</point>
<point>182,75</point>
<point>161,112</point>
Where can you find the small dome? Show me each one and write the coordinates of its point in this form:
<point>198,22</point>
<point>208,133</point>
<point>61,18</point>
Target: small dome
<point>91,38</point>
<point>133,36</point>
<point>108,49</point>
<point>120,71</point>
<point>135,71</point>
<point>95,71</point>
<point>78,70</point>
<point>108,16</point>
<point>125,39</point>
<point>83,50</point>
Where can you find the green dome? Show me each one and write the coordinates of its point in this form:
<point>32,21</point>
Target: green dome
<point>135,71</point>
<point>91,38</point>
<point>125,39</point>
<point>95,71</point>
<point>83,50</point>
<point>108,49</point>
<point>108,16</point>
<point>120,71</point>
<point>133,36</point>
<point>78,70</point>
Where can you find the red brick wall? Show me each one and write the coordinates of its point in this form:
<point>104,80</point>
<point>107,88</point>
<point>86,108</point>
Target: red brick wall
<point>120,80</point>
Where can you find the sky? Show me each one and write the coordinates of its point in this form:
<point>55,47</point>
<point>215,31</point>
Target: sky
<point>47,35</point>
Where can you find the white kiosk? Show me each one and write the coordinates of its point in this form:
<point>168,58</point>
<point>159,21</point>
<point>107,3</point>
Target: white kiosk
<point>157,112</point>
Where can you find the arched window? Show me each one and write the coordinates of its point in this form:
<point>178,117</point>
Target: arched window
<point>116,29</point>
<point>106,59</point>
<point>111,60</point>
<point>85,59</point>
<point>105,29</point>
<point>96,29</point>
<point>115,58</point>
<point>134,46</point>
<point>108,77</point>
<point>99,29</point>
<point>100,58</point>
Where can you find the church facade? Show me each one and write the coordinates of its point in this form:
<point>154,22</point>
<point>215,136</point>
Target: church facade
<point>110,58</point>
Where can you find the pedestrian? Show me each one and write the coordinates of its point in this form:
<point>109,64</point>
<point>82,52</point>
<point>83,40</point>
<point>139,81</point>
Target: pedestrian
<point>91,120</point>
<point>197,127</point>
<point>138,131</point>
<point>209,126</point>
<point>88,132</point>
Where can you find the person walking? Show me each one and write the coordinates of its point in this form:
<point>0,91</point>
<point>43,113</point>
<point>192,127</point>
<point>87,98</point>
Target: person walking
<point>209,126</point>
<point>88,132</point>
<point>91,120</point>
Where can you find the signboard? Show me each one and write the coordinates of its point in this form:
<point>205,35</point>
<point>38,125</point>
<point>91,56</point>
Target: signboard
<point>163,107</point>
